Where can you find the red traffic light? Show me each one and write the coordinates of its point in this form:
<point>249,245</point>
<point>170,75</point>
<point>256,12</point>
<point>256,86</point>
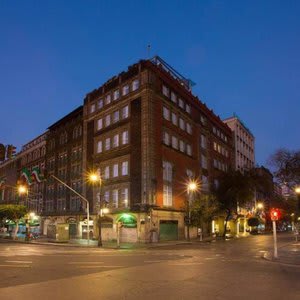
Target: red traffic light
<point>275,214</point>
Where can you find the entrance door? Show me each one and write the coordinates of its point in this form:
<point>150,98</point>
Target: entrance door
<point>73,230</point>
<point>168,230</point>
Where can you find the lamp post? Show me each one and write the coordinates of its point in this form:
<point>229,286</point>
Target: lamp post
<point>22,190</point>
<point>297,191</point>
<point>191,188</point>
<point>96,178</point>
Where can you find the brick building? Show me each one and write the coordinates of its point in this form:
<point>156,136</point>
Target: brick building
<point>30,169</point>
<point>64,160</point>
<point>148,135</point>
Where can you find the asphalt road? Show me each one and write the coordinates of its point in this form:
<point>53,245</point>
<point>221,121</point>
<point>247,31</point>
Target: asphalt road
<point>233,269</point>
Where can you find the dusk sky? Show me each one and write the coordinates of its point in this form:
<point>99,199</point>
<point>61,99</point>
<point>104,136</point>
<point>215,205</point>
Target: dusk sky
<point>244,57</point>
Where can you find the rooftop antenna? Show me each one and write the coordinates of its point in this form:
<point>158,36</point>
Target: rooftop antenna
<point>148,50</point>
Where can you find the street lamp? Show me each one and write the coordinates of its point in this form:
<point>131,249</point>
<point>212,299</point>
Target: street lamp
<point>191,188</point>
<point>96,179</point>
<point>260,206</point>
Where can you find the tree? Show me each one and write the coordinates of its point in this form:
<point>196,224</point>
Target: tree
<point>286,165</point>
<point>203,210</point>
<point>234,189</point>
<point>14,213</point>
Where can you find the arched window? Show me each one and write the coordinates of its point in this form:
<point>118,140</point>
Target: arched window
<point>43,151</point>
<point>63,138</point>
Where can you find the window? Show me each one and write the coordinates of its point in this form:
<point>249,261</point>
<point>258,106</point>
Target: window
<point>106,196</point>
<point>174,119</point>
<point>125,137</point>
<point>116,116</point>
<point>190,173</point>
<point>173,97</point>
<point>116,141</point>
<point>215,146</point>
<point>166,138</point>
<point>107,120</point>
<point>167,171</point>
<point>100,103</point>
<point>174,142</point>
<point>188,108</point>
<point>99,124</point>
<point>116,95</point>
<point>181,124</point>
<point>115,198</point>
<point>106,172</point>
<point>125,197</point>
<point>125,112</point>
<point>135,85</point>
<point>167,195</point>
<point>189,128</point>
<point>165,91</point>
<point>215,163</point>
<point>125,90</point>
<point>181,103</point>
<point>166,113</point>
<point>203,161</point>
<point>107,99</point>
<point>203,141</point>
<point>107,144</point>
<point>92,108</point>
<point>181,146</point>
<point>203,120</point>
<point>204,183</point>
<point>214,130</point>
<point>189,149</point>
<point>99,147</point>
<point>124,168</point>
<point>115,170</point>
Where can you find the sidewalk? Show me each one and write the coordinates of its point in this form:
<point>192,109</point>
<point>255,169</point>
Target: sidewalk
<point>109,245</point>
<point>287,254</point>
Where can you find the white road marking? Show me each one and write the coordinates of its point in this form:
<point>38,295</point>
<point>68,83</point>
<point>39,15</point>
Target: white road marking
<point>85,262</point>
<point>185,264</point>
<point>90,267</point>
<point>19,261</point>
<point>15,266</point>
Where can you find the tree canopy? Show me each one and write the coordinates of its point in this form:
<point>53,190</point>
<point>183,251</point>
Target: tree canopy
<point>286,165</point>
<point>12,212</point>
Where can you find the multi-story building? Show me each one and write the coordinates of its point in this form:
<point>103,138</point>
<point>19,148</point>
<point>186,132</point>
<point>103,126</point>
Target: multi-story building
<point>30,172</point>
<point>148,135</point>
<point>64,161</point>
<point>244,144</point>
<point>8,181</point>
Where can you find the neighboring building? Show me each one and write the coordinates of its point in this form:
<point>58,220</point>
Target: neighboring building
<point>8,181</point>
<point>64,160</point>
<point>30,172</point>
<point>244,143</point>
<point>148,135</point>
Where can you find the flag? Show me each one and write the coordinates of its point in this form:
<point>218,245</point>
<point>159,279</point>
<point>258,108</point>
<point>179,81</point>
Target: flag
<point>27,176</point>
<point>36,175</point>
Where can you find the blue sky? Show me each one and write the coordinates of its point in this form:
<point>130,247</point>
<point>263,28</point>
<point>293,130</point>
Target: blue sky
<point>243,56</point>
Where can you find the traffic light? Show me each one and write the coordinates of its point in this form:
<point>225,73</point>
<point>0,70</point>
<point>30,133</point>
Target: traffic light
<point>2,152</point>
<point>275,214</point>
<point>11,151</point>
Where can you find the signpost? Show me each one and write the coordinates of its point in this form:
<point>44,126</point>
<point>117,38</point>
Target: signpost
<point>274,217</point>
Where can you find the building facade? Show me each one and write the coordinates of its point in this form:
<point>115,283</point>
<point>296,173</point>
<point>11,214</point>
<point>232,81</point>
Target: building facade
<point>244,143</point>
<point>148,135</point>
<point>30,173</point>
<point>64,161</point>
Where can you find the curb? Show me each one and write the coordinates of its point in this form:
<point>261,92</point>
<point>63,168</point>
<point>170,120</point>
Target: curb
<point>281,259</point>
